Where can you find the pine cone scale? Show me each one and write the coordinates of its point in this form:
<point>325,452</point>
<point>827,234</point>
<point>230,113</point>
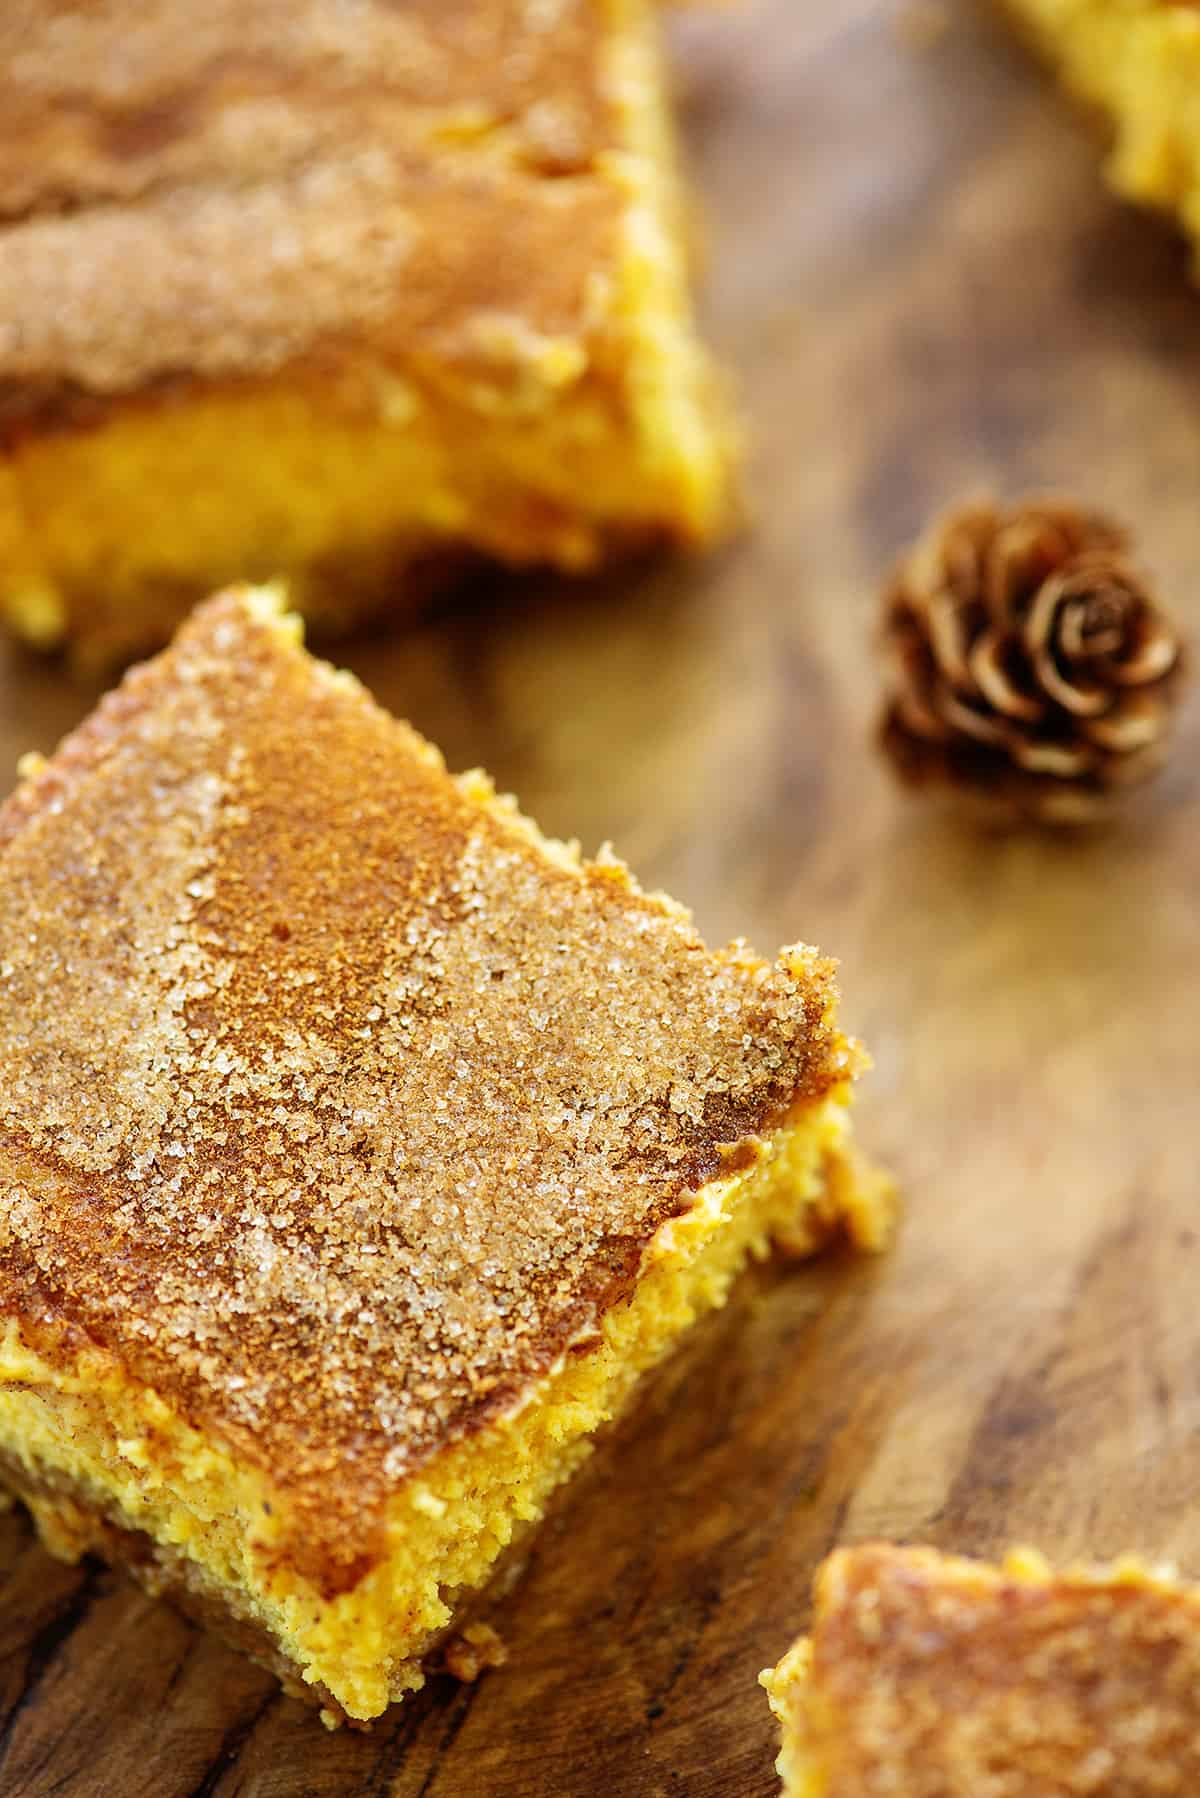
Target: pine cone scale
<point>1135,723</point>
<point>1061,760</point>
<point>949,639</point>
<point>969,720</point>
<point>994,675</point>
<point>1155,656</point>
<point>1082,701</point>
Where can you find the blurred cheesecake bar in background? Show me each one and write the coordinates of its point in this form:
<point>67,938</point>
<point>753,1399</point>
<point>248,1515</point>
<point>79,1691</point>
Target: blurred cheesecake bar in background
<point>342,292</point>
<point>1137,64</point>
<point>931,1676</point>
<point>360,1151</point>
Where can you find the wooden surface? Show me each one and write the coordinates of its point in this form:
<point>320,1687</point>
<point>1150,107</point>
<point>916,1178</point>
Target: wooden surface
<point>923,287</point>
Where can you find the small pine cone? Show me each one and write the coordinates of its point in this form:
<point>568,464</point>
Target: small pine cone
<point>1031,667</point>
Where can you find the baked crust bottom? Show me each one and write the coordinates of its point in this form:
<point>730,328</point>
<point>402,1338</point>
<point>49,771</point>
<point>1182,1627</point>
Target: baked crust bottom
<point>71,1526</point>
<point>186,1519</point>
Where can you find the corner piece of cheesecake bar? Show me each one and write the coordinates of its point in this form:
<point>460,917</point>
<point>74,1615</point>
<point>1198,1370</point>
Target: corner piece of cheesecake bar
<point>931,1676</point>
<point>1136,65</point>
<point>359,1151</point>
<point>344,292</point>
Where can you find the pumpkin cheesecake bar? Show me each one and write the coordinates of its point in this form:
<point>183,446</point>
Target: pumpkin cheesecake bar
<point>360,1149</point>
<point>345,291</point>
<point>931,1676</point>
<point>1137,64</point>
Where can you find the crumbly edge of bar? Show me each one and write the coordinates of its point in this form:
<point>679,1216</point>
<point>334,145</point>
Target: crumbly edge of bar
<point>1097,54</point>
<point>130,1458</point>
<point>789,1692</point>
<point>71,1524</point>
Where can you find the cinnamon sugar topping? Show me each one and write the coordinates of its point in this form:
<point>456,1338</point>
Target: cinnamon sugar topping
<point>332,1100</point>
<point>217,191</point>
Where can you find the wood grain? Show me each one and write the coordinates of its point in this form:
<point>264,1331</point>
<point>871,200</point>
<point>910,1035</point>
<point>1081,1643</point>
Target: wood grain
<point>924,288</point>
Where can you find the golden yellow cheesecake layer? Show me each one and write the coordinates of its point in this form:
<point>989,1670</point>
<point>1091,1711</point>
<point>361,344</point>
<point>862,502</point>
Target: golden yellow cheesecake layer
<point>141,1466</point>
<point>348,322</point>
<point>1138,62</point>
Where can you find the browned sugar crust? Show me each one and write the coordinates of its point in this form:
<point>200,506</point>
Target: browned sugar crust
<point>330,1102</point>
<point>942,1678</point>
<point>218,191</point>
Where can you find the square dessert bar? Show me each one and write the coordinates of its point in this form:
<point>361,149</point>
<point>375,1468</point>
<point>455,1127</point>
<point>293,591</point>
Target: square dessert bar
<point>341,290</point>
<point>359,1151</point>
<point>928,1676</point>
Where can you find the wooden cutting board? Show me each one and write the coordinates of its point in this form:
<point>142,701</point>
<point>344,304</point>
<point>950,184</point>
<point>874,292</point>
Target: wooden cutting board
<point>923,287</point>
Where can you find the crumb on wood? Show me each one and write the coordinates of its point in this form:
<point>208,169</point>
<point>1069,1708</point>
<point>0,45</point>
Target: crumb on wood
<point>475,1648</point>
